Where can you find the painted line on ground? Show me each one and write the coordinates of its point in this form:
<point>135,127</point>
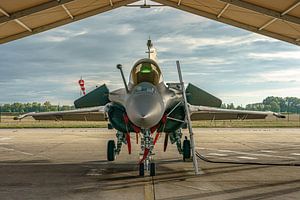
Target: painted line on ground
<point>268,151</point>
<point>246,157</point>
<point>188,186</point>
<point>216,154</point>
<point>224,150</point>
<point>279,143</point>
<point>22,152</point>
<point>262,155</point>
<point>295,154</point>
<point>251,154</point>
<point>5,138</point>
<point>148,191</point>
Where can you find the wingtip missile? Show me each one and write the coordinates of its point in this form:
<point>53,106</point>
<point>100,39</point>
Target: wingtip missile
<point>16,118</point>
<point>23,116</point>
<point>279,115</point>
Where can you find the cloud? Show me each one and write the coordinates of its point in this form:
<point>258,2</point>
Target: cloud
<point>275,55</point>
<point>288,75</point>
<point>224,41</point>
<point>125,29</point>
<point>223,60</point>
<point>243,97</point>
<point>197,60</point>
<point>61,35</point>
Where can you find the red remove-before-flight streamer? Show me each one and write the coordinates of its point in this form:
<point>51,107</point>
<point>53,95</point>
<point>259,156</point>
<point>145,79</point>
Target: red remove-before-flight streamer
<point>81,84</point>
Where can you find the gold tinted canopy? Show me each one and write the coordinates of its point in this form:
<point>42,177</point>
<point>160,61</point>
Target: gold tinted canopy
<point>278,19</point>
<point>145,71</point>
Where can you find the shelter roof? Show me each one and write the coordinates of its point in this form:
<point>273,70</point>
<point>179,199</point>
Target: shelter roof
<point>277,19</point>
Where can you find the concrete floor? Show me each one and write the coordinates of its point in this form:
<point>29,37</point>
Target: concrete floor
<point>71,164</point>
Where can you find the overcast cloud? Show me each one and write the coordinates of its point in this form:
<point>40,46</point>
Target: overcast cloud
<point>233,64</point>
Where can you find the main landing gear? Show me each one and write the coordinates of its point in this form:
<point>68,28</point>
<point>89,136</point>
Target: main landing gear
<point>114,149</point>
<point>111,154</point>
<point>186,149</point>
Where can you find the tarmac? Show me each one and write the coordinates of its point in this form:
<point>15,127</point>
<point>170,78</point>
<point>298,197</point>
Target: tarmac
<point>71,164</point>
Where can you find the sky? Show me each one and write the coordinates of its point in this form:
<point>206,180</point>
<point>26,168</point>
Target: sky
<point>233,64</point>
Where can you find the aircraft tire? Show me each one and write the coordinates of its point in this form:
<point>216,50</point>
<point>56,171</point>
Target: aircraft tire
<point>186,149</point>
<point>109,126</point>
<point>111,150</point>
<point>152,169</point>
<point>141,169</point>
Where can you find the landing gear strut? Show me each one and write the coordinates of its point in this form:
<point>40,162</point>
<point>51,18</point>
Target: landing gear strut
<point>114,149</point>
<point>175,137</point>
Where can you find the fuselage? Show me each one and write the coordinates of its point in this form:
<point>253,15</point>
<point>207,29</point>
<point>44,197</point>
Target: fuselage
<point>145,106</point>
<point>148,99</point>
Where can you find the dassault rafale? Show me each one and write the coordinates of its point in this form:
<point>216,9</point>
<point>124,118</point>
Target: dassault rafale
<point>149,107</point>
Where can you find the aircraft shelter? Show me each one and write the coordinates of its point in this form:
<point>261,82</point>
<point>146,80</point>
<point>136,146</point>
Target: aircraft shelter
<point>278,19</point>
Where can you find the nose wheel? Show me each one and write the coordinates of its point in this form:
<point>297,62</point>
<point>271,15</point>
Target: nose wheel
<point>152,169</point>
<point>142,169</point>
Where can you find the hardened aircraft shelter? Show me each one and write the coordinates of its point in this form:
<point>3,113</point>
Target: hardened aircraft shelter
<point>277,19</point>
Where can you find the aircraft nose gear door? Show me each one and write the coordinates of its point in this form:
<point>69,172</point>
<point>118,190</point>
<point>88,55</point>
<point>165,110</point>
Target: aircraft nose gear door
<point>188,117</point>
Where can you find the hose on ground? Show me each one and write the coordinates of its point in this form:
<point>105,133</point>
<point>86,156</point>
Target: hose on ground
<point>244,163</point>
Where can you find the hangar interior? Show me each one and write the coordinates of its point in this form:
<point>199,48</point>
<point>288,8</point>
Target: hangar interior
<point>277,19</point>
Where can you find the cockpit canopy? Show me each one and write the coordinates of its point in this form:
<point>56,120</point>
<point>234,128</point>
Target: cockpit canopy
<point>145,70</point>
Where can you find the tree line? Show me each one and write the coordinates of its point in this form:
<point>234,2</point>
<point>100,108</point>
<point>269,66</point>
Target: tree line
<point>33,107</point>
<point>271,103</point>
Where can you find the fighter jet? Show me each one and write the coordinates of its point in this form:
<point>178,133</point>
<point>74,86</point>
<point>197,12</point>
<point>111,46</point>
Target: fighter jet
<point>148,107</point>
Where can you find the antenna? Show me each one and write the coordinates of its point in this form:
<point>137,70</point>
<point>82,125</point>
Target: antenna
<point>149,45</point>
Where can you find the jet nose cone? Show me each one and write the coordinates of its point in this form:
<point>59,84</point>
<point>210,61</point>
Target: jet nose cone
<point>145,111</point>
<point>142,116</point>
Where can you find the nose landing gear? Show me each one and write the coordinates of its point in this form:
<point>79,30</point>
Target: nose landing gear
<point>147,145</point>
<point>152,169</point>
